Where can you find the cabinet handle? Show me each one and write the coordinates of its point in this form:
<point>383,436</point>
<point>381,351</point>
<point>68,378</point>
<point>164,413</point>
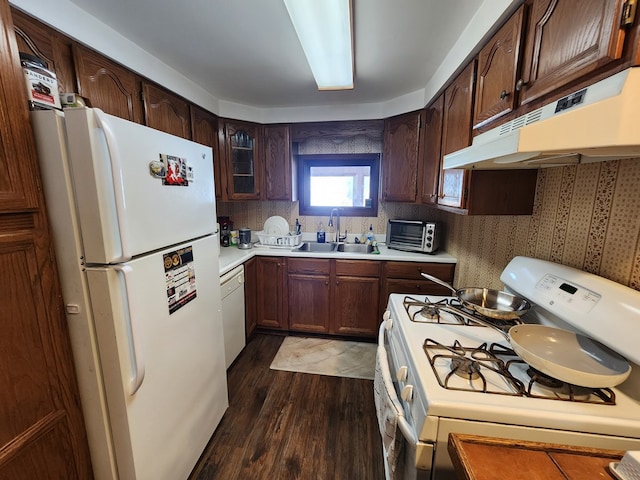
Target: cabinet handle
<point>337,282</point>
<point>504,94</point>
<point>326,282</point>
<point>519,84</point>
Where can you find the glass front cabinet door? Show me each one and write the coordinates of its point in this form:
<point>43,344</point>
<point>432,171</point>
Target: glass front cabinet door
<point>244,179</point>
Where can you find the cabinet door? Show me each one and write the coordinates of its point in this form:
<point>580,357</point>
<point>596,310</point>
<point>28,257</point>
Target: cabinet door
<point>456,134</point>
<point>37,39</point>
<point>308,302</point>
<point>270,284</point>
<point>308,294</point>
<point>166,111</point>
<point>242,150</point>
<point>108,85</point>
<point>432,148</point>
<point>498,72</point>
<point>204,130</point>
<point>355,306</point>
<point>566,40</point>
<point>42,433</point>
<point>18,182</point>
<point>401,155</point>
<point>277,162</point>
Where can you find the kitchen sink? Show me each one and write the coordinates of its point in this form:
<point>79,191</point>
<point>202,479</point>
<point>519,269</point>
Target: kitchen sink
<point>316,247</point>
<point>354,248</point>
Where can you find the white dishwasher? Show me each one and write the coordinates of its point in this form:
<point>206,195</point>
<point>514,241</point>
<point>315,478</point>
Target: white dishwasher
<point>232,289</point>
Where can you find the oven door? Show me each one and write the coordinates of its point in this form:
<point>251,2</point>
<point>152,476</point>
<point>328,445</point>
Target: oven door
<point>394,394</point>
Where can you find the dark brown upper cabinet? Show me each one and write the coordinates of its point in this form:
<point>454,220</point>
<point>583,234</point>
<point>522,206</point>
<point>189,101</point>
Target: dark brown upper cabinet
<point>430,171</point>
<point>242,152</point>
<point>402,153</point>
<point>566,40</point>
<point>166,111</point>
<point>204,130</point>
<point>47,44</point>
<point>456,134</point>
<point>108,85</point>
<point>498,69</point>
<point>277,162</point>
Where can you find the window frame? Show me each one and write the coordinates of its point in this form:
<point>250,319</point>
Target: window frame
<point>306,161</point>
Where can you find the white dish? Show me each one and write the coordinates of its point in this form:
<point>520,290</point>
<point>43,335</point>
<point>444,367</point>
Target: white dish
<point>276,226</point>
<point>628,468</point>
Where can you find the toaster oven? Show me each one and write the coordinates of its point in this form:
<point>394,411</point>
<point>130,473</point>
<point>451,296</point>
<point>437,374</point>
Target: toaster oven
<point>413,235</point>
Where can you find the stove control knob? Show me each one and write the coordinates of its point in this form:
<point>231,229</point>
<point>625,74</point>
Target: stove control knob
<point>407,393</point>
<point>402,374</point>
<point>388,322</point>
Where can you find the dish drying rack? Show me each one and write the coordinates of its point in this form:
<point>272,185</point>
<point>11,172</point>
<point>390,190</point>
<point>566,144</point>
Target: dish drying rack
<point>279,241</point>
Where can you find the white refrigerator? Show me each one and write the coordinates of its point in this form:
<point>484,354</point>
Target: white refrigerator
<point>132,212</point>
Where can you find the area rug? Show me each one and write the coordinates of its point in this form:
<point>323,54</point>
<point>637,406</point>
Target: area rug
<point>337,358</point>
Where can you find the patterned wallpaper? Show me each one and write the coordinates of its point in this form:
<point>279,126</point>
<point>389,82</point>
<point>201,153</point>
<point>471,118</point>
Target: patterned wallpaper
<point>586,216</point>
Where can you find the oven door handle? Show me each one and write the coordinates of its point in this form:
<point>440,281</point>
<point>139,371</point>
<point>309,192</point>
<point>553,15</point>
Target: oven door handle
<point>406,429</point>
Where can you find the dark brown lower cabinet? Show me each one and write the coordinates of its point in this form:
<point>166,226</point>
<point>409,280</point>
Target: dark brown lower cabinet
<point>308,292</point>
<point>338,297</point>
<point>271,298</point>
<point>356,297</point>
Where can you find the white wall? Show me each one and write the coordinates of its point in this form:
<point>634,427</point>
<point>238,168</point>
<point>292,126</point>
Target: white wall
<point>78,24</point>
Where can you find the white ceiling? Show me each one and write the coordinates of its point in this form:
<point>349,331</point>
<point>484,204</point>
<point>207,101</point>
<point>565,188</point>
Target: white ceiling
<point>246,51</point>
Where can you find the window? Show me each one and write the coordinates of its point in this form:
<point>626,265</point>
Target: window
<point>346,181</point>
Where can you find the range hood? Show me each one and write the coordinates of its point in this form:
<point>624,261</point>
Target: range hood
<point>596,123</point>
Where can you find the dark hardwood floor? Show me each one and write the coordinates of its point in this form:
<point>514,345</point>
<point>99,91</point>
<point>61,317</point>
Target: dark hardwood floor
<point>285,425</point>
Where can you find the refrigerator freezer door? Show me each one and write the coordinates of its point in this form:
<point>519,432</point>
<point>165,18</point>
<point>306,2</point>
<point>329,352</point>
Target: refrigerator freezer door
<point>159,329</point>
<point>137,189</point>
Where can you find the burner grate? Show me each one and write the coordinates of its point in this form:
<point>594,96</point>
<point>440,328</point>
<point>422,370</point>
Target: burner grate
<point>497,369</point>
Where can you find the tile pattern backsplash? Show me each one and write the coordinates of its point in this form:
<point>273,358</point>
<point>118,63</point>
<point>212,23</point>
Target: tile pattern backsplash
<point>586,216</point>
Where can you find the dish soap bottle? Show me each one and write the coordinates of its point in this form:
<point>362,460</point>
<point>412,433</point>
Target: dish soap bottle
<point>321,235</point>
<point>370,237</point>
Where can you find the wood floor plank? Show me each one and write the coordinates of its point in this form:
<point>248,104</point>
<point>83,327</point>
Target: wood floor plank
<point>285,425</point>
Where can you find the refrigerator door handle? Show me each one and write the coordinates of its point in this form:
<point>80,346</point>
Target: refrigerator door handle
<point>118,184</point>
<point>135,347</point>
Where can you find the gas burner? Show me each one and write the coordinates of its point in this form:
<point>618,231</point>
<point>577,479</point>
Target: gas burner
<point>480,370</point>
<point>465,368</point>
<point>497,369</point>
<point>450,311</point>
<point>430,312</point>
<point>425,311</point>
<point>543,379</point>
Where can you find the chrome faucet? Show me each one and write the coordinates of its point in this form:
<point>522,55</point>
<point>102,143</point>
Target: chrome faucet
<point>330,224</point>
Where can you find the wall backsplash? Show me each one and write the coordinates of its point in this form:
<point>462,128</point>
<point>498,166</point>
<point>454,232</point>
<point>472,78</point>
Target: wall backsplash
<point>586,216</point>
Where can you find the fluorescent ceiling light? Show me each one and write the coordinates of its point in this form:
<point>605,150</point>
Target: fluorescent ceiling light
<point>324,30</point>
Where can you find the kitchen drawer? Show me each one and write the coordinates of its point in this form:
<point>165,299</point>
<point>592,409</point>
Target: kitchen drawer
<point>358,268</point>
<point>412,270</point>
<point>413,287</point>
<point>313,266</point>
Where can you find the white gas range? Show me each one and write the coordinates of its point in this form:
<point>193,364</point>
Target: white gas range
<point>489,390</point>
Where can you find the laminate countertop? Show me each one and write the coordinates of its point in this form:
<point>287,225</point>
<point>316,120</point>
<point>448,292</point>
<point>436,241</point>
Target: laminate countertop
<point>487,458</point>
<point>231,257</point>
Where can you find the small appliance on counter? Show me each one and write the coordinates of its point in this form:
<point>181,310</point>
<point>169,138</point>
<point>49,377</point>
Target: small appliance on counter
<point>414,235</point>
<point>244,238</point>
<point>226,225</point>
